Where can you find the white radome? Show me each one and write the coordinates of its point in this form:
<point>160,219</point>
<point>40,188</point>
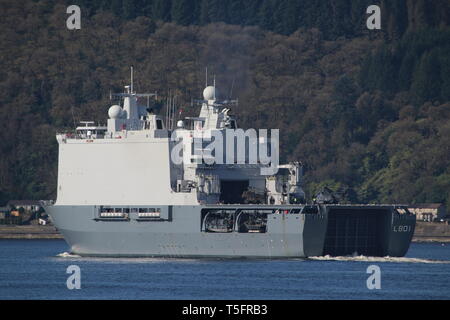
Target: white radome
<point>115,112</point>
<point>210,92</point>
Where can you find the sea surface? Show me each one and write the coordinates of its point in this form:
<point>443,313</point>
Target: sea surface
<point>36,269</point>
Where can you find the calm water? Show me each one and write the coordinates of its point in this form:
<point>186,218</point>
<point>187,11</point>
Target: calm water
<point>32,269</point>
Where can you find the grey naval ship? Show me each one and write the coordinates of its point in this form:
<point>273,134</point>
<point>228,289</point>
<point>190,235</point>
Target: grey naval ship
<point>120,194</point>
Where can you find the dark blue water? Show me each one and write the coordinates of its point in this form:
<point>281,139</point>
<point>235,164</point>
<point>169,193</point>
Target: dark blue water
<point>31,269</point>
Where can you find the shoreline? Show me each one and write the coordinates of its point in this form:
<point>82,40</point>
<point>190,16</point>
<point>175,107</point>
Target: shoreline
<point>431,232</point>
<point>31,236</point>
<point>431,240</point>
<point>29,232</point>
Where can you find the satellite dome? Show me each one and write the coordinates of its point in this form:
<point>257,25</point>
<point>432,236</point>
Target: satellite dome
<point>210,92</point>
<point>115,112</point>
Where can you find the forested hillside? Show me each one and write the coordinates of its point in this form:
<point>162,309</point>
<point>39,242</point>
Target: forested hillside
<point>342,18</point>
<point>367,112</point>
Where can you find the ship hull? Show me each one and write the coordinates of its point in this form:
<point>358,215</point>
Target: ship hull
<point>180,233</point>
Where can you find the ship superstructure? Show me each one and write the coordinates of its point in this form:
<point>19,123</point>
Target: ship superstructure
<point>139,187</point>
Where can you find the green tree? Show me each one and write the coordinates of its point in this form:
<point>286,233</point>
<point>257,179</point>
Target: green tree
<point>161,10</point>
<point>182,12</point>
<point>427,82</point>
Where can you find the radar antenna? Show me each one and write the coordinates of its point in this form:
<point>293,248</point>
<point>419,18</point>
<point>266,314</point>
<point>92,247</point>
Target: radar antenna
<point>131,87</point>
<point>130,90</point>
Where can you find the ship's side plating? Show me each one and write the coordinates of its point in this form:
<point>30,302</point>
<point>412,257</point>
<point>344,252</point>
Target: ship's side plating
<point>180,232</point>
<point>288,231</point>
